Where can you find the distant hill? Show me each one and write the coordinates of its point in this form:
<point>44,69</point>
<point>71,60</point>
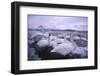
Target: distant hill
<point>56,30</point>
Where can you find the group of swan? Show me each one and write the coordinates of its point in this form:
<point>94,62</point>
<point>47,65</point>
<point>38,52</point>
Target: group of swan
<point>64,48</point>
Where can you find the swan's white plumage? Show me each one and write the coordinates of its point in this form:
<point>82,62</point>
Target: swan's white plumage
<point>42,43</point>
<point>45,42</point>
<point>64,48</point>
<point>53,41</point>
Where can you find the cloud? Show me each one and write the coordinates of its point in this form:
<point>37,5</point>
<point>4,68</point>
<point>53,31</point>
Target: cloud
<point>58,22</point>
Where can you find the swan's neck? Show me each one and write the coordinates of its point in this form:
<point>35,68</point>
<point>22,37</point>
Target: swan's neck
<point>72,41</point>
<point>49,39</point>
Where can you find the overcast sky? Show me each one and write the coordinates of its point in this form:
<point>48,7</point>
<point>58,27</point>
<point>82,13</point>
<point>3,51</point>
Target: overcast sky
<point>58,22</point>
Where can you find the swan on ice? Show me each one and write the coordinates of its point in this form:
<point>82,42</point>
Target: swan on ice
<point>66,47</point>
<point>50,41</point>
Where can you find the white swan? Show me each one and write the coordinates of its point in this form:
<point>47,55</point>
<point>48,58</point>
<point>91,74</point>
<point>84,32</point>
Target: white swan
<point>51,41</point>
<point>65,47</point>
<point>43,43</point>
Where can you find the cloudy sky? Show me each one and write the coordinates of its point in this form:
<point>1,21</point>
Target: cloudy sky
<point>58,22</point>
